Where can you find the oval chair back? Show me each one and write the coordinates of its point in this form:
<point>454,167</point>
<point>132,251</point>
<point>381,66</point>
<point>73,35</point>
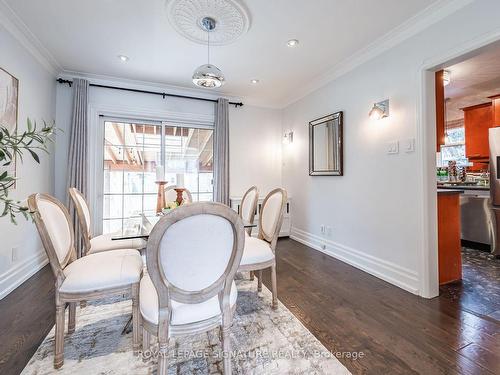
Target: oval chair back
<point>248,206</point>
<point>53,224</point>
<point>84,218</point>
<point>271,216</point>
<point>193,254</point>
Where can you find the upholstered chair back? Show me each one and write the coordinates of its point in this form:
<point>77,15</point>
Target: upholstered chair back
<point>82,208</point>
<point>194,251</point>
<point>171,194</point>
<point>249,204</point>
<point>83,213</point>
<point>53,224</point>
<point>271,215</point>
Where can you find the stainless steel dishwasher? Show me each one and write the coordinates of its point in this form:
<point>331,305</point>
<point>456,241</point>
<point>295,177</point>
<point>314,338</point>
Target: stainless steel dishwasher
<point>477,222</point>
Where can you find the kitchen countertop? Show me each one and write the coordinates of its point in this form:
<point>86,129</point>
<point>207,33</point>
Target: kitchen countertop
<point>449,191</point>
<point>463,187</point>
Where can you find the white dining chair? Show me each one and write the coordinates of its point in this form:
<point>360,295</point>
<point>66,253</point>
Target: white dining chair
<point>94,276</point>
<point>103,242</point>
<point>259,253</point>
<point>192,257</point>
<point>248,207</point>
<point>171,194</point>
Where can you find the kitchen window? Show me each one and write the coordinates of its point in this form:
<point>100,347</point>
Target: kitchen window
<point>454,147</point>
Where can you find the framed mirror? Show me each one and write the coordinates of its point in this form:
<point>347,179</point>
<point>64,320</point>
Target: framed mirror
<point>326,146</point>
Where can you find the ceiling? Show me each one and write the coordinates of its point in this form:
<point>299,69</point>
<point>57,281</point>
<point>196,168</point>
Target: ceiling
<point>86,37</point>
<point>473,81</point>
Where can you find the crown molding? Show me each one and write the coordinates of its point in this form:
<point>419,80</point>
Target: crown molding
<point>19,30</point>
<point>414,25</point>
<point>100,79</point>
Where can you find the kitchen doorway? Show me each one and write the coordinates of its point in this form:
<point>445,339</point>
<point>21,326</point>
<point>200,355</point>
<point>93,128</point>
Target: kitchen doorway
<point>467,109</point>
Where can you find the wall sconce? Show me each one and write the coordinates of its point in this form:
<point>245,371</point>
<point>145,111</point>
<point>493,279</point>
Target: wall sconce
<point>288,137</point>
<point>379,110</point>
<point>446,77</point>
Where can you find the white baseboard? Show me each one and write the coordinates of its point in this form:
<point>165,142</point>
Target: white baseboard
<point>387,271</point>
<point>22,271</point>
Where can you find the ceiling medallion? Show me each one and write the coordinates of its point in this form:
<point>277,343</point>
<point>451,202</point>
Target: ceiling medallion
<point>186,16</point>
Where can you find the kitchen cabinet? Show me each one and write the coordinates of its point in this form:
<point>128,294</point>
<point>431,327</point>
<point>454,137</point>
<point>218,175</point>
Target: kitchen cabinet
<point>440,110</point>
<point>478,119</point>
<point>449,244</point>
<point>496,109</point>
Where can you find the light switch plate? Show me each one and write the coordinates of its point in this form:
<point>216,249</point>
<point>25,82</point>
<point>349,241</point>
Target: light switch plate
<point>393,147</point>
<point>410,145</point>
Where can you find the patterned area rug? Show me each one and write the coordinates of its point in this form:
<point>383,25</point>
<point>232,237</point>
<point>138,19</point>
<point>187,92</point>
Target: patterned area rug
<point>264,341</point>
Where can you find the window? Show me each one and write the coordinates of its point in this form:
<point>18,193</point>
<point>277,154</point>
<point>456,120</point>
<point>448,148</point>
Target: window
<point>189,160</point>
<point>455,135</point>
<point>132,151</point>
<point>454,147</point>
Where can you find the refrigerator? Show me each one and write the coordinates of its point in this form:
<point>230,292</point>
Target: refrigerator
<point>494,143</point>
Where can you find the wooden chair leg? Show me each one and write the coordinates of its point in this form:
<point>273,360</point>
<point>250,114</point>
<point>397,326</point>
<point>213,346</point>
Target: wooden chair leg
<point>226,347</point>
<point>72,317</point>
<point>252,276</point>
<point>259,282</point>
<point>163,358</point>
<point>274,287</point>
<point>59,336</point>
<point>146,340</point>
<point>136,316</point>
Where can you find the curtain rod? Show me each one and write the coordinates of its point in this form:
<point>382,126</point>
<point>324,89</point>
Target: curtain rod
<point>163,94</point>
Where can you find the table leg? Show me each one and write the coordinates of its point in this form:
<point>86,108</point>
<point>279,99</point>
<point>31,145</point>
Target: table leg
<point>128,327</point>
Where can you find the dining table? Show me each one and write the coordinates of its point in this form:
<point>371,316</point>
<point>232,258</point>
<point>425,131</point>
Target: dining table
<point>135,229</point>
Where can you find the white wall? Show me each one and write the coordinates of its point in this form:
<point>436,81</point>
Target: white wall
<point>255,149</point>
<point>36,101</point>
<point>374,208</point>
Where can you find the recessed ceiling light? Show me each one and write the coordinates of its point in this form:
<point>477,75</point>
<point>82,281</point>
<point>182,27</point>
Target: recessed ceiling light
<point>292,43</point>
<point>123,58</point>
<point>254,81</point>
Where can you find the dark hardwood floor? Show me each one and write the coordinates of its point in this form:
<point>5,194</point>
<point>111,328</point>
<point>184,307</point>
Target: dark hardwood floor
<point>479,290</point>
<point>346,309</point>
<point>398,332</point>
<point>27,315</point>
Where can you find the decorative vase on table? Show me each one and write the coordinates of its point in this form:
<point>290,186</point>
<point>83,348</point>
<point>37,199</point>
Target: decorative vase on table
<point>180,198</point>
<point>160,197</point>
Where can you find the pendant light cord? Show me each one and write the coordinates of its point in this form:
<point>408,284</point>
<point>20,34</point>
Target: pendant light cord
<point>208,57</point>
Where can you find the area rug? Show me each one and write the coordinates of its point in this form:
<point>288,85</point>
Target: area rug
<point>264,341</point>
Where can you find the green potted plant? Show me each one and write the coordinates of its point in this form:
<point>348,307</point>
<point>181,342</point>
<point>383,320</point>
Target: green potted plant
<point>12,146</point>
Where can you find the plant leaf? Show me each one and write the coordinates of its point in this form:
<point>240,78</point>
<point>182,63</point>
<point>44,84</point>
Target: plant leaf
<point>34,155</point>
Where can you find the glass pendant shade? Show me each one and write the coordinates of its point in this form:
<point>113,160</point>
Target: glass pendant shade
<point>208,76</point>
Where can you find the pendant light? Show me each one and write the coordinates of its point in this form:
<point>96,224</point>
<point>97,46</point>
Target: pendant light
<point>208,75</point>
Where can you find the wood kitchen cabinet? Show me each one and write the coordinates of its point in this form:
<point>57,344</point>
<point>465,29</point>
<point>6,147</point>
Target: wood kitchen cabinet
<point>449,246</point>
<point>478,119</point>
<point>440,110</point>
<point>496,109</point>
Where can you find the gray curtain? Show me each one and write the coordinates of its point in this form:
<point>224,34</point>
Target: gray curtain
<point>77,167</point>
<point>221,152</point>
